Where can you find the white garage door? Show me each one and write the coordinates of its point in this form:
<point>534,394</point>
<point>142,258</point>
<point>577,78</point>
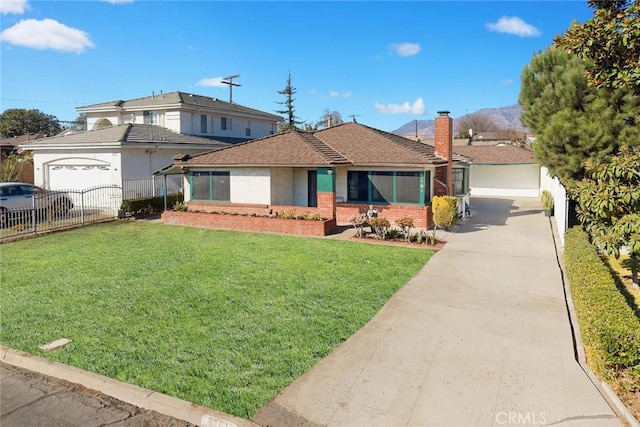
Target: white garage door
<point>505,180</point>
<point>78,177</point>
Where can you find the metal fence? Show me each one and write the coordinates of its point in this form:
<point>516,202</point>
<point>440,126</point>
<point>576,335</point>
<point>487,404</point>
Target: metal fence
<point>52,210</point>
<point>59,209</point>
<point>135,188</point>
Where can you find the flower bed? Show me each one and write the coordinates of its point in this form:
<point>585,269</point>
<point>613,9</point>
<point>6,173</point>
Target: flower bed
<point>305,227</point>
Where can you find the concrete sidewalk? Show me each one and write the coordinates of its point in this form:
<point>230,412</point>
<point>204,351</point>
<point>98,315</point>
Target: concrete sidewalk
<point>480,337</point>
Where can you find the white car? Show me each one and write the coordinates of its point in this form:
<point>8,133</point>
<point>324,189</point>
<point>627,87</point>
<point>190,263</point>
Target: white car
<point>17,198</point>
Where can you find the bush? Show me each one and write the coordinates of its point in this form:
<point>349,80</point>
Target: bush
<point>405,224</point>
<point>547,200</point>
<point>445,212</point>
<point>380,226</point>
<point>610,328</point>
<point>149,204</point>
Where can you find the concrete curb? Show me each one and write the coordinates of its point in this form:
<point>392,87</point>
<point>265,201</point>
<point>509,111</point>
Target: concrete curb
<point>605,390</point>
<point>129,393</point>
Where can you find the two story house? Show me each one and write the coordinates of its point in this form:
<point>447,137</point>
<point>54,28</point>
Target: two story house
<point>129,140</point>
<point>185,113</point>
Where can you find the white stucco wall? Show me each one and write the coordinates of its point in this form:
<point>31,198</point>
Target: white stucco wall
<point>282,186</point>
<point>250,185</point>
<point>560,201</point>
<point>505,180</point>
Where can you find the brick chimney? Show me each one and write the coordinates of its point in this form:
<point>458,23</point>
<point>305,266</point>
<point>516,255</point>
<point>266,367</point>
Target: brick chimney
<point>444,148</point>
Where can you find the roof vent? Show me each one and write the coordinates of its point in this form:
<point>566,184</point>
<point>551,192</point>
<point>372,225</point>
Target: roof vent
<point>444,113</point>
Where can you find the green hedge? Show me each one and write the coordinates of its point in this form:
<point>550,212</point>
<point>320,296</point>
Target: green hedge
<point>150,204</point>
<point>610,329</point>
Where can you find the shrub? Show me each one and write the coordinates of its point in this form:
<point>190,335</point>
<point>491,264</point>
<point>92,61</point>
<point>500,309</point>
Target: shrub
<point>358,222</point>
<point>445,212</point>
<point>180,206</point>
<point>547,200</point>
<point>610,328</point>
<point>380,226</point>
<point>405,224</point>
<point>149,204</point>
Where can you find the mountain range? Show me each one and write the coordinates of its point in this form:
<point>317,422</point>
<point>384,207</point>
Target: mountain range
<point>503,117</point>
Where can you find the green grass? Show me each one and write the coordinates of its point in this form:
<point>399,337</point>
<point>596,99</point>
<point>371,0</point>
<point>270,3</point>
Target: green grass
<point>222,319</point>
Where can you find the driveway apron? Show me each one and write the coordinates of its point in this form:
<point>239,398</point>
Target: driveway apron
<point>479,337</point>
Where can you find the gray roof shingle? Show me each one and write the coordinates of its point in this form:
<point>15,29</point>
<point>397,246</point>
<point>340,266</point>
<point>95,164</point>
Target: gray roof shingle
<point>185,99</point>
<point>346,144</point>
<point>128,134</point>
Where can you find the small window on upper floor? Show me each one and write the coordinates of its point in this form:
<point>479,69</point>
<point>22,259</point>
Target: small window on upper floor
<point>247,130</point>
<point>223,123</point>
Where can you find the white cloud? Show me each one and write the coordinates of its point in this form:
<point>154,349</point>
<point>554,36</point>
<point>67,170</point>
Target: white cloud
<point>416,108</point>
<point>13,6</point>
<point>513,25</point>
<point>506,82</point>
<point>405,49</point>
<point>117,1</point>
<point>212,82</point>
<point>336,94</point>
<point>46,34</point>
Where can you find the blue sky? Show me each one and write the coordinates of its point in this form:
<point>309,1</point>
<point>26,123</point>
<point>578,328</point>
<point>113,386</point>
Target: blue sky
<point>388,63</point>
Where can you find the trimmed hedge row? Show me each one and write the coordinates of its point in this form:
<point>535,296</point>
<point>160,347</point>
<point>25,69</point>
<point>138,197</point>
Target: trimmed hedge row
<point>609,327</point>
<point>150,204</point>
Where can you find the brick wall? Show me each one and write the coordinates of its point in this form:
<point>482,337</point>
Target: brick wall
<point>421,215</point>
<point>247,208</point>
<point>327,204</point>
<point>248,223</point>
<point>439,189</point>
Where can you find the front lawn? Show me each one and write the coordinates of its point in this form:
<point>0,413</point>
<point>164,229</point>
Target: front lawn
<point>222,319</point>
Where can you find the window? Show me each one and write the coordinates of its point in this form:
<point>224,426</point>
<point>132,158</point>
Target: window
<point>225,123</point>
<point>203,123</point>
<point>358,183</point>
<point>381,187</point>
<point>387,187</point>
<point>247,130</point>
<point>408,187</point>
<point>210,186</point>
<point>148,117</point>
<point>460,181</point>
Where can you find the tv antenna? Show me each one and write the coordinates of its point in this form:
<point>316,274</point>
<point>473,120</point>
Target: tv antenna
<point>229,81</point>
<point>353,117</point>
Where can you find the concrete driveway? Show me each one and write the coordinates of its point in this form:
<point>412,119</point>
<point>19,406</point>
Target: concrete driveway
<point>480,337</point>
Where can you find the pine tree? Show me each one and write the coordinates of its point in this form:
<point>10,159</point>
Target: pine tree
<point>291,121</point>
<point>573,120</point>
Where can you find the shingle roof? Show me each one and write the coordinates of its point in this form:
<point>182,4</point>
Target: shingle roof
<point>17,140</point>
<point>496,154</point>
<point>349,143</point>
<point>367,146</point>
<point>128,134</point>
<point>292,148</point>
<point>186,99</point>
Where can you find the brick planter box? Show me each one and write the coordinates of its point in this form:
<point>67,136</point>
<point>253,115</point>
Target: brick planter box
<point>250,223</point>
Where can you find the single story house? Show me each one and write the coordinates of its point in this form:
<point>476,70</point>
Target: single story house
<point>185,113</point>
<point>501,170</point>
<point>336,172</point>
<point>109,155</point>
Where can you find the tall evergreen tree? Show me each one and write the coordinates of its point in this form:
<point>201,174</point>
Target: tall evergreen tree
<point>573,120</point>
<point>289,110</point>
